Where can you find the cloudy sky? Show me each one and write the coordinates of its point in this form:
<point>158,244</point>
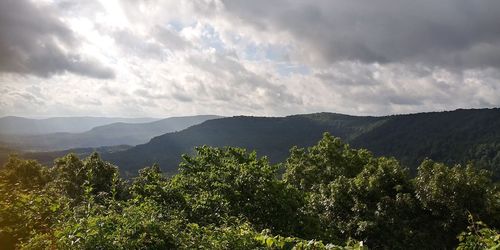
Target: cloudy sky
<point>162,58</point>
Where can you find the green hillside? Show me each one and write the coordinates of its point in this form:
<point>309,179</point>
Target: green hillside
<point>451,137</point>
<point>272,136</point>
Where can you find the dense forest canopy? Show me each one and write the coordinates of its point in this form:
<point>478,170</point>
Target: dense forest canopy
<point>329,196</point>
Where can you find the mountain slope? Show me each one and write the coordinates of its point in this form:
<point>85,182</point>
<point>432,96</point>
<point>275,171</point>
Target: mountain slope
<point>12,125</point>
<point>267,135</point>
<point>452,137</point>
<point>107,135</point>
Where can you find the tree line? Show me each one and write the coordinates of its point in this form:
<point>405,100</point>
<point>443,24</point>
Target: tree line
<point>328,196</point>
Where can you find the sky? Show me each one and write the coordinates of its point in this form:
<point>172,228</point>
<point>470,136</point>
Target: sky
<point>153,58</point>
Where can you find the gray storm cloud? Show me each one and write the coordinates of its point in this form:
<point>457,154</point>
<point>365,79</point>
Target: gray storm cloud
<point>34,41</point>
<point>451,33</point>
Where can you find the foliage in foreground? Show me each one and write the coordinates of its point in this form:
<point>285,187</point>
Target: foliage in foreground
<point>329,197</point>
<point>479,236</point>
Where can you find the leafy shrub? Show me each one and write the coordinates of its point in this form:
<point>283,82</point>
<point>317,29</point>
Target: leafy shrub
<point>479,236</point>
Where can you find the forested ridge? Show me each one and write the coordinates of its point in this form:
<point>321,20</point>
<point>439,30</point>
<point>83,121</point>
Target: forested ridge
<point>328,196</point>
<point>452,137</point>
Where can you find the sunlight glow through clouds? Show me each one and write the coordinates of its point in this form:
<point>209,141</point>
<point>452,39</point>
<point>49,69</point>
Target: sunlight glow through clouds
<point>114,16</point>
<point>229,58</point>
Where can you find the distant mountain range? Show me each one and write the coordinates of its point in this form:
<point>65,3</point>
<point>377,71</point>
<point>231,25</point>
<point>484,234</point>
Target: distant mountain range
<point>119,133</point>
<point>451,137</point>
<point>12,125</point>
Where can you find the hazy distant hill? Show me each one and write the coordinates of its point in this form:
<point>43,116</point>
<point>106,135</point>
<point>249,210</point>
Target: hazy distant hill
<point>107,135</point>
<point>47,158</point>
<point>454,136</point>
<point>10,125</point>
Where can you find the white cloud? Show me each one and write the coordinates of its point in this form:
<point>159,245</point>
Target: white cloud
<point>228,58</point>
